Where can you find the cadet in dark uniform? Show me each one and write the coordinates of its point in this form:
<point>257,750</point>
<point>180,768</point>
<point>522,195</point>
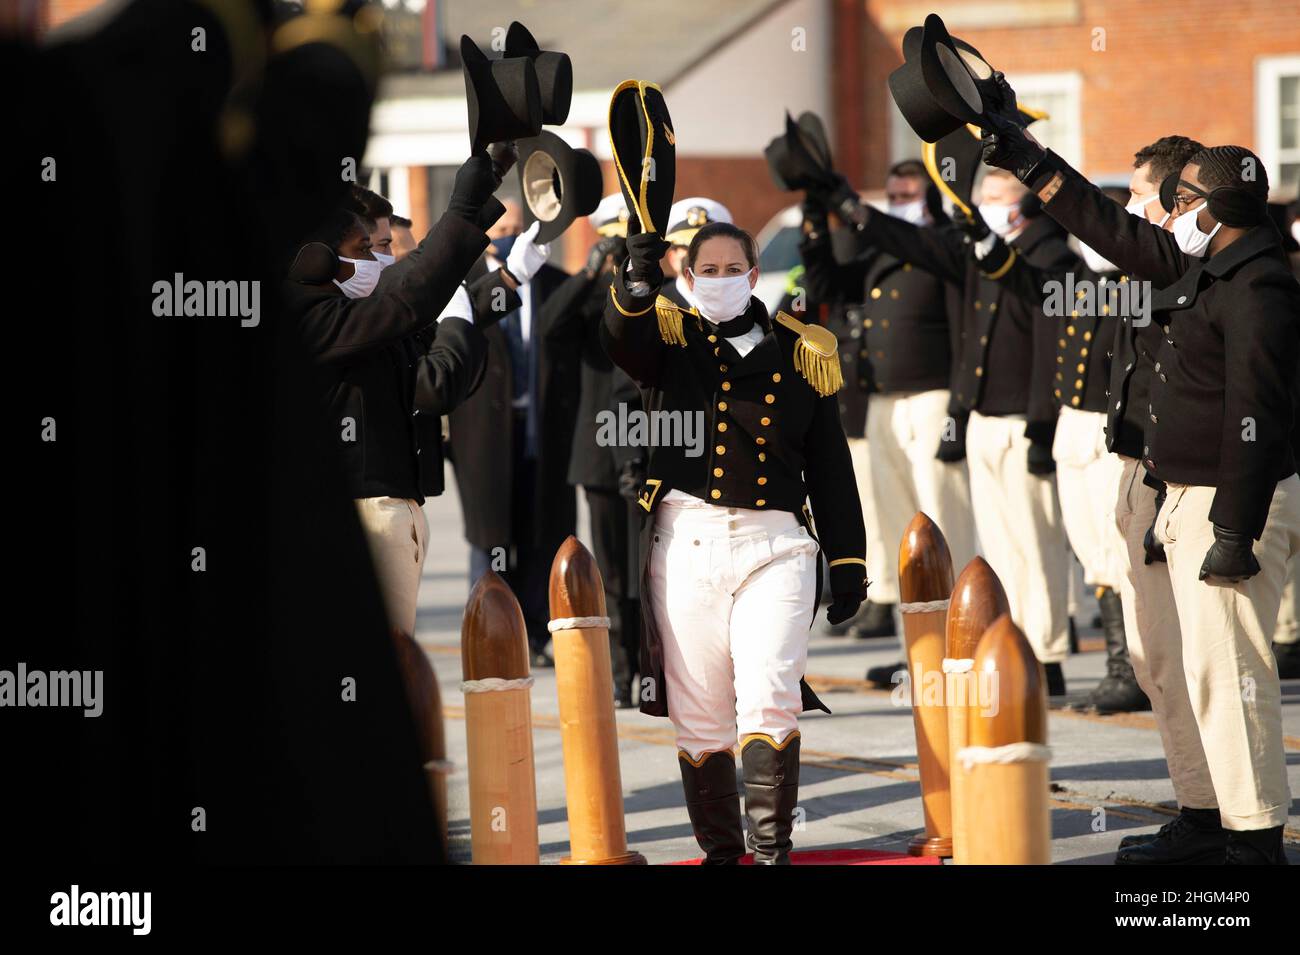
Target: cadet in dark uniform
<point>1222,438</point>
<point>1002,376</point>
<point>1085,298</point>
<point>732,574</point>
<point>910,327</point>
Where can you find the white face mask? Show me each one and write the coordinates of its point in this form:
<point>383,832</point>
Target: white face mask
<point>913,212</point>
<point>384,259</point>
<point>365,276</point>
<point>722,298</point>
<point>1095,261</point>
<point>998,218</point>
<point>1295,231</point>
<point>1190,238</point>
<point>1138,208</point>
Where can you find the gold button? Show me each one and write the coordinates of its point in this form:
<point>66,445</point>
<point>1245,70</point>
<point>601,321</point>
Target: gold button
<point>1060,360</point>
<point>720,449</point>
<point>715,494</point>
<point>984,339</point>
<point>1078,382</point>
<point>760,502</point>
<point>893,293</point>
<point>717,472</point>
<point>1080,294</point>
<point>762,456</point>
<point>1079,368</point>
<point>979,372</point>
<point>722,426</point>
<point>1074,400</point>
<point>868,323</point>
<point>726,386</point>
<point>978,306</point>
<point>1069,329</point>
<point>1058,392</point>
<point>1087,336</point>
<point>722,368</point>
<point>722,406</point>
<point>1105,310</point>
<point>760,440</point>
<point>884,323</point>
<point>1074,313</point>
<point>764,421</point>
<point>769,398</point>
<point>1062,342</point>
<point>875,293</point>
<point>717,351</point>
<point>776,377</point>
<point>1083,352</point>
<point>993,306</point>
<point>762,480</point>
<point>712,339</point>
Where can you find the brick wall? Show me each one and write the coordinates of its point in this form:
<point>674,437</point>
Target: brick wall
<point>1169,66</point>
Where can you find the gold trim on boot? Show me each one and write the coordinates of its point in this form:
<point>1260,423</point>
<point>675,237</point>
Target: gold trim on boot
<point>771,773</point>
<point>713,804</point>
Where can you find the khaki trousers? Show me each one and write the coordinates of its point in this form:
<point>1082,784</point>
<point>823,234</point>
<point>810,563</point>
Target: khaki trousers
<point>1018,520</point>
<point>1087,478</point>
<point>903,431</point>
<point>880,566</point>
<point>1155,643</point>
<point>1288,618</point>
<point>397,534</point>
<point>1231,673</point>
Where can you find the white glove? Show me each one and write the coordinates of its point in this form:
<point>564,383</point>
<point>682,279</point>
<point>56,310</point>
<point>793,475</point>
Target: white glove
<point>459,306</point>
<point>525,257</point>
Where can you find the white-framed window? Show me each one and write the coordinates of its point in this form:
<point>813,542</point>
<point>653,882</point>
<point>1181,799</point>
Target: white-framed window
<point>1057,94</point>
<point>1060,96</point>
<point>1277,122</point>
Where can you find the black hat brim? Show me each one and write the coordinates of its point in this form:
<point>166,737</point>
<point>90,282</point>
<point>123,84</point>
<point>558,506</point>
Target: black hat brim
<point>558,183</point>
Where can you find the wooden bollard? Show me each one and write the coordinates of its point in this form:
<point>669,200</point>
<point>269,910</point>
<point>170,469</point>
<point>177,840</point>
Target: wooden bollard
<point>1006,789</point>
<point>977,600</point>
<point>498,727</point>
<point>924,585</point>
<point>593,784</point>
<point>426,708</point>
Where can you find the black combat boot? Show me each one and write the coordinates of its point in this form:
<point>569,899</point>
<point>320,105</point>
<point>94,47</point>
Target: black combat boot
<point>1288,660</point>
<point>1143,838</point>
<point>887,676</point>
<point>1194,837</point>
<point>1118,692</point>
<point>713,803</point>
<point>771,792</point>
<point>1055,679</point>
<point>874,620</point>
<point>1255,847</point>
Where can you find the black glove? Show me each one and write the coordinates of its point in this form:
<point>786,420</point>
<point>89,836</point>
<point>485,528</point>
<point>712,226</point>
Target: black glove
<point>631,479</point>
<point>973,227</point>
<point>611,245</point>
<point>1230,558</point>
<point>1040,460</point>
<point>1155,551</point>
<point>839,197</point>
<point>1007,144</point>
<point>954,450</point>
<point>644,252</point>
<point>842,607</point>
<point>475,182</point>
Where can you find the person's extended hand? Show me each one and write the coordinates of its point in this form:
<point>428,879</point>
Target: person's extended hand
<point>1007,144</point>
<point>527,257</point>
<point>1231,558</point>
<point>842,607</point>
<point>644,251</point>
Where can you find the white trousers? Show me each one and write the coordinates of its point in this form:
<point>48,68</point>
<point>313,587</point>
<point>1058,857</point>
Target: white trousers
<point>1287,630</point>
<point>1155,642</point>
<point>1018,520</point>
<point>1087,478</point>
<point>1231,672</point>
<point>903,432</point>
<point>731,591</point>
<point>880,565</point>
<point>398,535</point>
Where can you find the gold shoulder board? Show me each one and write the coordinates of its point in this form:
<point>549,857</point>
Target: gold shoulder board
<point>816,355</point>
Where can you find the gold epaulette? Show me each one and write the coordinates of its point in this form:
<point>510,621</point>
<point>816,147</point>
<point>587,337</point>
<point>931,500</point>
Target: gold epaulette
<point>670,321</point>
<point>816,355</point>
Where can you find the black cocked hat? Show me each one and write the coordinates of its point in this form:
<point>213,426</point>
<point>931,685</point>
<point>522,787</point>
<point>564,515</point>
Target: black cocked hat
<point>800,158</point>
<point>944,82</point>
<point>554,73</point>
<point>644,145</point>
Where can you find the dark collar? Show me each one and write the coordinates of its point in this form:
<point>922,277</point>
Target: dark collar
<point>756,314</point>
<point>1261,240</point>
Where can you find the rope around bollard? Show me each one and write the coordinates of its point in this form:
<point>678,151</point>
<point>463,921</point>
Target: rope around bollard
<point>495,684</point>
<point>577,623</point>
<point>924,606</point>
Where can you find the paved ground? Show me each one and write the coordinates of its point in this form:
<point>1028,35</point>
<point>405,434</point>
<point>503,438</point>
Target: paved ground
<point>859,784</point>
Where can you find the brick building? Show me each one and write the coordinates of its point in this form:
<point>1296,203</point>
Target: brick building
<point>1113,74</point>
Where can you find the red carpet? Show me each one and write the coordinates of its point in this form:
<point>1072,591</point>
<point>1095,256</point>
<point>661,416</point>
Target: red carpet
<point>841,857</point>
